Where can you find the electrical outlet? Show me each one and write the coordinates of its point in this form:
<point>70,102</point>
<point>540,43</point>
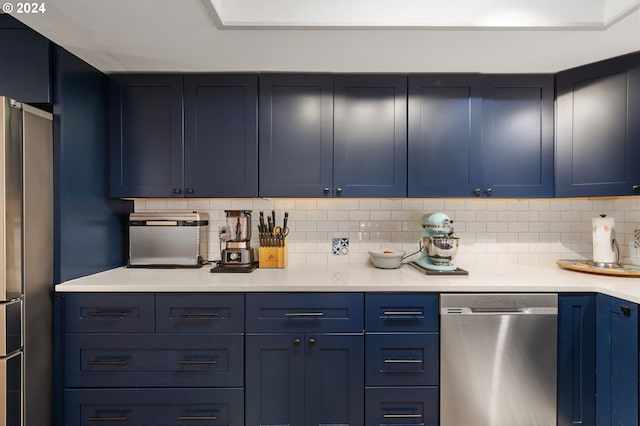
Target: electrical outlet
<point>340,246</point>
<point>636,238</point>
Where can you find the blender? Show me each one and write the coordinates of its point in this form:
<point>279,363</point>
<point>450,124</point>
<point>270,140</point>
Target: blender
<point>439,246</point>
<point>237,253</point>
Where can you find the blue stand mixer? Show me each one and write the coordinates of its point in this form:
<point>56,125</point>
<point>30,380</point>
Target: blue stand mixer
<point>439,245</point>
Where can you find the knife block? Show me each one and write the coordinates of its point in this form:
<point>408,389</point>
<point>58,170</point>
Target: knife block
<point>273,257</point>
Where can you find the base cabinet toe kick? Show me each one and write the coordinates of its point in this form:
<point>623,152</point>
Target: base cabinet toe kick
<point>348,358</point>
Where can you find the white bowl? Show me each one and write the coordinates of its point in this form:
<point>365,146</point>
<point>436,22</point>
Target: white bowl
<point>386,259</point>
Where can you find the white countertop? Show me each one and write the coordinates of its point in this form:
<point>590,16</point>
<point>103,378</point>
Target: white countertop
<point>355,278</point>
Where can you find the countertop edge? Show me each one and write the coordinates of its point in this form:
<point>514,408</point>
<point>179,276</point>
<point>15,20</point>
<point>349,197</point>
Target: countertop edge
<point>355,278</point>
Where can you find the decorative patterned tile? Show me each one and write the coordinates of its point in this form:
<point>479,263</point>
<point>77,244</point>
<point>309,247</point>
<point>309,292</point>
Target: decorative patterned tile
<point>340,246</point>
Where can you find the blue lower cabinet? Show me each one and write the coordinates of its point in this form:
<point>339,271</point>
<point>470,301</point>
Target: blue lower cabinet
<point>154,407</point>
<point>402,406</point>
<point>576,359</point>
<point>154,360</point>
<point>616,362</point>
<point>402,359</point>
<point>304,379</point>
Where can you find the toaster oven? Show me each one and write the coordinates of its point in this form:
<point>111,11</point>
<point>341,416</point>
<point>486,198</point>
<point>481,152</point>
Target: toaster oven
<point>168,239</point>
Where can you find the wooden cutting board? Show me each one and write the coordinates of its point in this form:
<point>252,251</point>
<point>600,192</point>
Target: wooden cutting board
<point>632,271</point>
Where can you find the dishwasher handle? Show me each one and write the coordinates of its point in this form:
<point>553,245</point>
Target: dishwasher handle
<point>529,310</point>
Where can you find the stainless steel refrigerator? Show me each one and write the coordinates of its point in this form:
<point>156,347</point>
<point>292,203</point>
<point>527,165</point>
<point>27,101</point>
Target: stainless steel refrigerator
<point>26,265</point>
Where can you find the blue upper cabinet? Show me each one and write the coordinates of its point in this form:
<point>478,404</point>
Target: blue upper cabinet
<point>220,135</point>
<point>146,135</point>
<point>296,135</point>
<point>317,144</point>
<point>444,135</point>
<point>213,154</point>
<point>598,133</point>
<point>473,135</point>
<point>517,136</point>
<point>370,136</point>
<point>25,56</point>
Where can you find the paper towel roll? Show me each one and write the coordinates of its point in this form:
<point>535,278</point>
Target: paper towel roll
<point>603,235</point>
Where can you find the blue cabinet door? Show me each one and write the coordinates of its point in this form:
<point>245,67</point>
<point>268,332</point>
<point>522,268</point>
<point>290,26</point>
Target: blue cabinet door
<point>616,362</point>
<point>146,136</point>
<point>274,371</point>
<point>370,136</point>
<point>334,380</point>
<point>25,55</point>
<point>445,124</point>
<point>576,359</point>
<point>517,139</point>
<point>296,135</point>
<point>597,138</point>
<point>220,135</point>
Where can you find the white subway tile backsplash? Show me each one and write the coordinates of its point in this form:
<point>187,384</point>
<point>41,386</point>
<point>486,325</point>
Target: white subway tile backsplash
<point>491,230</point>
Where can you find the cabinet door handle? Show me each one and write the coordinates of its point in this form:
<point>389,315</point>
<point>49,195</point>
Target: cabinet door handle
<point>403,361</point>
<point>402,313</point>
<point>402,416</point>
<point>106,314</point>
<point>326,189</point>
<point>304,314</point>
<point>296,341</point>
<point>312,341</point>
<point>635,188</point>
<point>626,311</point>
<point>189,191</point>
<point>198,314</point>
<point>107,419</point>
<point>119,362</point>
<point>177,191</point>
<point>197,418</point>
<point>197,362</point>
<point>488,191</point>
<point>476,192</point>
<point>339,191</point>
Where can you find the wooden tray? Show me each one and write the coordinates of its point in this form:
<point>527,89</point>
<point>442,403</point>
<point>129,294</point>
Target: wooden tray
<point>632,271</point>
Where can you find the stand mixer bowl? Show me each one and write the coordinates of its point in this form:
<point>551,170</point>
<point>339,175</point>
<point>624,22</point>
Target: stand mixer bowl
<point>440,250</point>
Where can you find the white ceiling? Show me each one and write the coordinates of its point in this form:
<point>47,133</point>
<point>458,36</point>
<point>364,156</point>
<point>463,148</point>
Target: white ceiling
<point>191,36</point>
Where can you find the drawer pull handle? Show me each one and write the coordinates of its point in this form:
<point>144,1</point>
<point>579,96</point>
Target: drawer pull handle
<point>402,416</point>
<point>401,313</point>
<point>197,418</point>
<point>107,419</point>
<point>106,314</point>
<point>403,361</point>
<point>198,314</point>
<point>116,362</point>
<point>304,314</point>
<point>197,362</point>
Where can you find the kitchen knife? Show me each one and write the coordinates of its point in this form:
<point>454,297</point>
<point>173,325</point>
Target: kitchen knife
<point>284,223</point>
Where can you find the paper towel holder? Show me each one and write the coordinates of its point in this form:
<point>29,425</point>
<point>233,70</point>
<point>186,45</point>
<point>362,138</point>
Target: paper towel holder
<point>614,248</point>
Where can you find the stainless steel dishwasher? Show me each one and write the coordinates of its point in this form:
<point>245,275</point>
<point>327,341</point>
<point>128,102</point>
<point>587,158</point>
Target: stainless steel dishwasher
<point>498,359</point>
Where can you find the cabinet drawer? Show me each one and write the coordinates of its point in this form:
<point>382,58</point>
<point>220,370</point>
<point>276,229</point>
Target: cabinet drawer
<point>199,313</point>
<point>413,312</point>
<point>402,406</point>
<point>402,359</point>
<point>154,407</point>
<point>109,313</point>
<point>154,360</point>
<point>304,312</point>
